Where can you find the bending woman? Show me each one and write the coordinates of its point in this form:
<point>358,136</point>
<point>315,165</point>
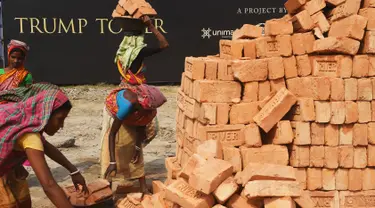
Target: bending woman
<point>22,125</point>
<point>122,142</point>
<point>15,74</point>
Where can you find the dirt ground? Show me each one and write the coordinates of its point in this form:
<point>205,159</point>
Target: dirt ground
<point>84,126</point>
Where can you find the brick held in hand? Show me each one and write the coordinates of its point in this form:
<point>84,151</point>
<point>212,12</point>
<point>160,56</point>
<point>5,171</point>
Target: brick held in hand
<point>99,191</point>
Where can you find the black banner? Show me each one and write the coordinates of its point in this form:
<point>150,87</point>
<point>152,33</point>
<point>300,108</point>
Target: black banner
<point>75,41</point>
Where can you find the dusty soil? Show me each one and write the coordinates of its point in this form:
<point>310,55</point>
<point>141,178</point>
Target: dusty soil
<point>84,126</point>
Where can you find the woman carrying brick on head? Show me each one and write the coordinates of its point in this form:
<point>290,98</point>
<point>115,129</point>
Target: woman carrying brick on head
<point>15,74</point>
<point>132,108</point>
<point>24,118</point>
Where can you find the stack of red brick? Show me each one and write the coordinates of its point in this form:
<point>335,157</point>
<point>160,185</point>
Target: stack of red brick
<point>133,8</point>
<point>235,106</point>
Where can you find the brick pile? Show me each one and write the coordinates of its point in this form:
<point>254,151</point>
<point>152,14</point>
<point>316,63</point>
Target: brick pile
<point>133,9</point>
<point>281,118</point>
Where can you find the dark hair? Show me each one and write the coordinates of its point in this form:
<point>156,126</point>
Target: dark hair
<point>66,106</point>
<point>18,50</point>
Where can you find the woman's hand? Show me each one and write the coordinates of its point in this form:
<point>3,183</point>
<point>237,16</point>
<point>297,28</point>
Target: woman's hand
<point>111,171</point>
<point>146,20</point>
<point>136,155</point>
<point>79,180</point>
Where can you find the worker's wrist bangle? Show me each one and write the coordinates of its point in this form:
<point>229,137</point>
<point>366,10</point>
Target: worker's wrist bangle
<point>112,163</point>
<point>75,172</point>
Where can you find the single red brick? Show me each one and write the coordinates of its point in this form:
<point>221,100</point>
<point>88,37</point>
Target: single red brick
<point>275,109</point>
<point>342,179</point>
<point>338,112</point>
<point>331,157</point>
<point>346,134</point>
<point>351,89</point>
<point>332,65</point>
<point>264,90</point>
<point>250,70</point>
<point>181,193</point>
<point>364,112</point>
<point>360,135</point>
<point>290,66</point>
<point>317,133</point>
<point>314,6</point>
<point>302,43</point>
<point>277,84</point>
<point>331,135</point>
<point>314,179</point>
<point>341,45</point>
<point>300,156</point>
<point>323,111</point>
<point>194,161</point>
<point>278,27</point>
<point>360,66</point>
<point>252,136</point>
<point>217,91</point>
<point>337,89</point>
<point>251,92</point>
<point>302,133</point>
<point>302,22</point>
<point>228,135</point>
<point>351,109</point>
<point>266,188</point>
<point>194,68</point>
<point>301,177</point>
<point>225,190</point>
<point>237,201</point>
<point>275,68</point>
<point>292,6</point>
<point>247,31</point>
<point>346,156</point>
<point>343,10</point>
<point>360,157</point>
<point>371,133</point>
<point>329,180</point>
<point>303,65</point>
<point>351,27</point>
<point>265,154</point>
<point>371,156</point>
<point>286,202</point>
<point>321,21</point>
<point>365,89</point>
<point>280,45</point>
<point>233,155</point>
<point>210,175</point>
<point>317,156</point>
<point>243,113</point>
<point>282,133</point>
<point>368,176</point>
<point>355,179</point>
<point>368,42</point>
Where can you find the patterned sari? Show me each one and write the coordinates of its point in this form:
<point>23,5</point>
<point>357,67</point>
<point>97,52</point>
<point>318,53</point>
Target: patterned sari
<point>27,110</point>
<point>12,79</point>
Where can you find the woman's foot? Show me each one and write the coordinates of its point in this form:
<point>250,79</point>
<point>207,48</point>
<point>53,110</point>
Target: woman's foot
<point>143,185</point>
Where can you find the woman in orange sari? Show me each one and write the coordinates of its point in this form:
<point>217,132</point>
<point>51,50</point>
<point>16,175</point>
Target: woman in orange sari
<point>15,75</point>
